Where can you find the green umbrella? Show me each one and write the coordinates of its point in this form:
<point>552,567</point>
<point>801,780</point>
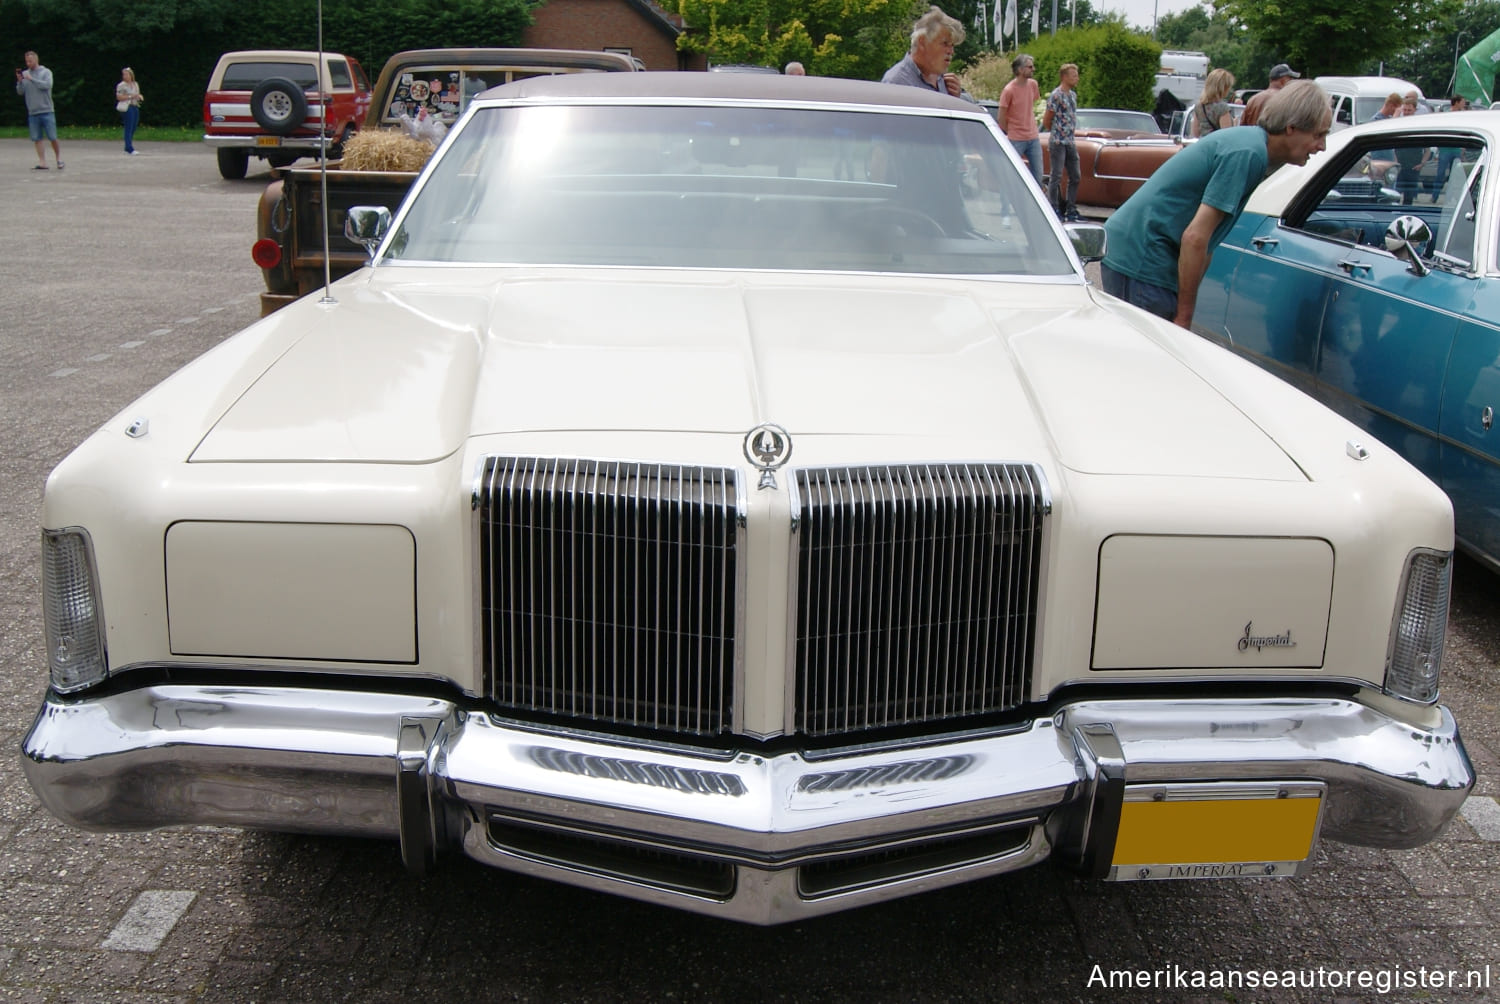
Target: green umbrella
<point>1475,78</point>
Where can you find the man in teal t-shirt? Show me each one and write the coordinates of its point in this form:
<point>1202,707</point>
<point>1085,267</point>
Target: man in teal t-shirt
<point>1159,242</point>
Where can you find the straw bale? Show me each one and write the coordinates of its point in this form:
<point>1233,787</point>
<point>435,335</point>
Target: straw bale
<point>385,150</point>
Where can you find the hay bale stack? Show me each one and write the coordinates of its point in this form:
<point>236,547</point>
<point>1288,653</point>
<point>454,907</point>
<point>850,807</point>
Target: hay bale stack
<point>385,150</point>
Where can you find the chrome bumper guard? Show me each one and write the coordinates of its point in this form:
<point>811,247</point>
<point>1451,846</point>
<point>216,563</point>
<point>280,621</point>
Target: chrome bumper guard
<point>757,838</point>
<point>311,143</point>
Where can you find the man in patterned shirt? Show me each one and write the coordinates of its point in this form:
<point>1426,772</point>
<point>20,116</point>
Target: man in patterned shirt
<point>1061,122</point>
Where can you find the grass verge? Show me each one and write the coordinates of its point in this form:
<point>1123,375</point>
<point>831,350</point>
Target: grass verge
<point>153,134</point>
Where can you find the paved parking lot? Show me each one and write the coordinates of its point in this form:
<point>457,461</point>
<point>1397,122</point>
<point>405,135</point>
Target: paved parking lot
<point>118,270</point>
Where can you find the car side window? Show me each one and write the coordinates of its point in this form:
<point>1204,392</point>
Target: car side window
<point>338,73</point>
<point>1383,178</point>
<point>1454,242</point>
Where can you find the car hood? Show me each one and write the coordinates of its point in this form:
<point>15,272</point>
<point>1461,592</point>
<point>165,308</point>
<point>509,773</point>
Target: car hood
<point>404,372</point>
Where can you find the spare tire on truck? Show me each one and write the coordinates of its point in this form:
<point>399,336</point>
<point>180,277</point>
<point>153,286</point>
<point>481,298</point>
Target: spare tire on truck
<point>278,106</point>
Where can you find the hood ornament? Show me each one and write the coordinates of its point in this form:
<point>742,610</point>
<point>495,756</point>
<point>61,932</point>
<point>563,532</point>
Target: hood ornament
<point>768,446</point>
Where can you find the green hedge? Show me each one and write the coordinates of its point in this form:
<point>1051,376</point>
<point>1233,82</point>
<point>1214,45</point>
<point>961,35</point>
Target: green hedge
<point>1116,68</point>
<point>173,44</point>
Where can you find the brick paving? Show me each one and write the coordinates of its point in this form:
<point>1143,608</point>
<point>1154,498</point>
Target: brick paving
<point>129,267</point>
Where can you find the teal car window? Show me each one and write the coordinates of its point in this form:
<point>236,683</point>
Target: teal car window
<point>1434,178</point>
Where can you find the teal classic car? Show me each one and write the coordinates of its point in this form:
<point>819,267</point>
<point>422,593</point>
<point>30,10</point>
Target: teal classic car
<point>1369,278</point>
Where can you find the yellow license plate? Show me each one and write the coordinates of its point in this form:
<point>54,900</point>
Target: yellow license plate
<point>1227,830</point>
<point>268,141</point>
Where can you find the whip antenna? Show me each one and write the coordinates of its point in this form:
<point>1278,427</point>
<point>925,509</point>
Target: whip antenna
<point>323,166</point>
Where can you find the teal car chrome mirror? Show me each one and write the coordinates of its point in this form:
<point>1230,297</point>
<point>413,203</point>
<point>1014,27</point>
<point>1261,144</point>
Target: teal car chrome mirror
<point>1406,237</point>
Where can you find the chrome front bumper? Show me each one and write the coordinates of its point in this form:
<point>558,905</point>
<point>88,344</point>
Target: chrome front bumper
<point>757,838</point>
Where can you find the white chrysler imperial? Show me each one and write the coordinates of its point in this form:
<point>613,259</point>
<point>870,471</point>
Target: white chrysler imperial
<point>727,491</point>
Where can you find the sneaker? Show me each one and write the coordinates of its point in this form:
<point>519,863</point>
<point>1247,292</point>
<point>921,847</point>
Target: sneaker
<point>1073,218</point>
<point>61,165</point>
<point>132,152</point>
<point>40,167</point>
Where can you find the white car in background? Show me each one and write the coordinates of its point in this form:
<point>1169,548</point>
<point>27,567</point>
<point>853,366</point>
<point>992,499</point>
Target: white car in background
<point>726,490</point>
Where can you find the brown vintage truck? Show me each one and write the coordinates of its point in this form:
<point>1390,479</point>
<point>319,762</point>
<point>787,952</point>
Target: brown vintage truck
<point>289,225</point>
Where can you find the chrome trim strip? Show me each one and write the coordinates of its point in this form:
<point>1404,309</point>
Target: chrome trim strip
<point>740,535</point>
<point>353,763</point>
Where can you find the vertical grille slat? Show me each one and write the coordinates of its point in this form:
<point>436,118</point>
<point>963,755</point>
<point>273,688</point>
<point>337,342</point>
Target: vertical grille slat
<point>916,593</point>
<point>608,591</point>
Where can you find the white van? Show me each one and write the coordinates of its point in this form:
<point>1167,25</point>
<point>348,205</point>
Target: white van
<point>1181,73</point>
<point>1358,99</point>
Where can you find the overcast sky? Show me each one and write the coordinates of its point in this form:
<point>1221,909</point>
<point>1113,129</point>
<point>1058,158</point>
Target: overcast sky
<point>1138,13</point>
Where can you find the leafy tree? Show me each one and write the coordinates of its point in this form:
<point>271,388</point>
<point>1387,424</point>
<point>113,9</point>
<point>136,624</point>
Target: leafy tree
<point>1082,12</point>
<point>835,38</point>
<point>1335,36</point>
<point>1431,62</point>
<point>173,44</point>
<point>1227,43</point>
<point>1116,67</point>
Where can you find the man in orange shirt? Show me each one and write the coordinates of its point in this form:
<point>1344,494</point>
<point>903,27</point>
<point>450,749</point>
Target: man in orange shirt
<point>1018,113</point>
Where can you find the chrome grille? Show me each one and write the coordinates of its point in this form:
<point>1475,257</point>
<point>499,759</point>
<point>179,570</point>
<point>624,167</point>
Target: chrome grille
<point>608,590</point>
<point>916,593</point>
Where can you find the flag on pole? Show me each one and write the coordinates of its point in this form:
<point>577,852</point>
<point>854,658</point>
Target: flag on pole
<point>1475,76</point>
<point>1036,12</point>
<point>1009,26</point>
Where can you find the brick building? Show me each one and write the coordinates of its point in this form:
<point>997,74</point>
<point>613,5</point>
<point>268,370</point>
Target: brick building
<point>636,28</point>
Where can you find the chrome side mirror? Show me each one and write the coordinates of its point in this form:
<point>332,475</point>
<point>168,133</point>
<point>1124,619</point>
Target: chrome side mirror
<point>367,225</point>
<point>1405,238</point>
<point>1087,240</point>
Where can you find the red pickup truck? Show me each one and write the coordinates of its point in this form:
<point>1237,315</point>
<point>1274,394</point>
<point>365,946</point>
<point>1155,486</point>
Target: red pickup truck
<point>279,104</point>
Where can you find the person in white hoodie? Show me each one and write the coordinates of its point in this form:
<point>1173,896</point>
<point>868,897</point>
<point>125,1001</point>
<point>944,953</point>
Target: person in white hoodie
<point>35,85</point>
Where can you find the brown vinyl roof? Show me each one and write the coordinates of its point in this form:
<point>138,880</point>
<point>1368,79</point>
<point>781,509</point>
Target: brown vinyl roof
<point>727,86</point>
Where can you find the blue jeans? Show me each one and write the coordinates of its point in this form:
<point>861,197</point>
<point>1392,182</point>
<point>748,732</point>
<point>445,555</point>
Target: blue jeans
<point>132,119</point>
<point>1031,152</point>
<point>1158,300</point>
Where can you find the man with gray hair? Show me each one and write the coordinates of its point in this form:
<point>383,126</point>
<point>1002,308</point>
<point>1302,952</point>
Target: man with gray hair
<point>933,39</point>
<point>1160,241</point>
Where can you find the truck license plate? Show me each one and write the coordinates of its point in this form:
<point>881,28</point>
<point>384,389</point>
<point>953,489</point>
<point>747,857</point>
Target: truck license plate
<point>268,141</point>
<point>1239,829</point>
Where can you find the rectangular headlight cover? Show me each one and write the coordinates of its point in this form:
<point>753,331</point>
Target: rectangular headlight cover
<point>1420,628</point>
<point>71,611</point>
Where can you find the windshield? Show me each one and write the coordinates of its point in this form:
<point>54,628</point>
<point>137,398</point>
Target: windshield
<point>1367,108</point>
<point>729,187</point>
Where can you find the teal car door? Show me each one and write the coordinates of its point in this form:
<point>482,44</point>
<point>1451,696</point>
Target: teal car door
<point>1393,312</point>
<point>1471,397</point>
<point>1274,286</point>
<point>1384,353</point>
